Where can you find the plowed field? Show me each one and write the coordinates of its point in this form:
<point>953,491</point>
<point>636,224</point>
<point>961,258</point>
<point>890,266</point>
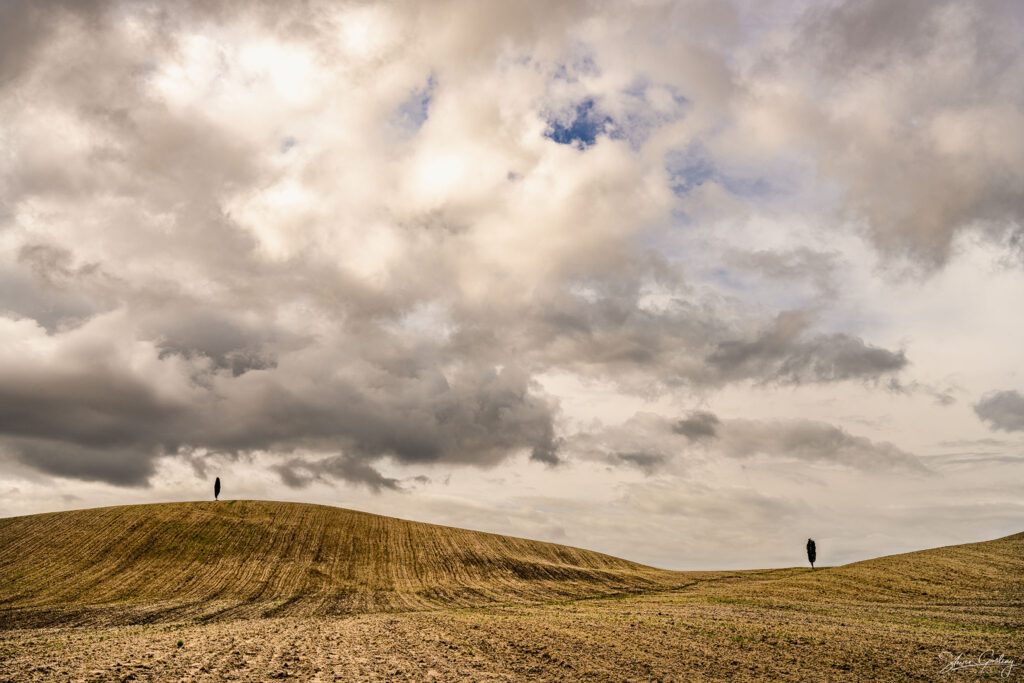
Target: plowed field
<point>264,591</point>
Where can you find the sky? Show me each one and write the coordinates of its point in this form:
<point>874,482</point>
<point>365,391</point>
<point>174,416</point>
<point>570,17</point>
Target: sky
<point>683,282</point>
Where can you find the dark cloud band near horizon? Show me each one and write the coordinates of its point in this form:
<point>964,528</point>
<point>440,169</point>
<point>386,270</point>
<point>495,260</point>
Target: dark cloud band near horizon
<point>1002,410</point>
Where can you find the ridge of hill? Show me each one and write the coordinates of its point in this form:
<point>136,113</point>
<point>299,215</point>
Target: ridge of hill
<point>240,559</point>
<point>216,561</point>
<point>986,572</point>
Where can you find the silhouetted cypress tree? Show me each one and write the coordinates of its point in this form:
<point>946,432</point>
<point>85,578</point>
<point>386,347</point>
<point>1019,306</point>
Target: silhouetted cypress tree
<point>812,551</point>
<point>216,489</point>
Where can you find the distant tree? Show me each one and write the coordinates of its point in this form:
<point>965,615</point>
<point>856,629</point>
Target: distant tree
<point>216,492</point>
<point>812,551</point>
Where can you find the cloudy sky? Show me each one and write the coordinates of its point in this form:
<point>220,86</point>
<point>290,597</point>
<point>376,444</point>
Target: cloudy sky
<point>685,282</point>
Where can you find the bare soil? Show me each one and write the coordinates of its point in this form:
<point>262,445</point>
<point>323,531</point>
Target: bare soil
<point>903,617</point>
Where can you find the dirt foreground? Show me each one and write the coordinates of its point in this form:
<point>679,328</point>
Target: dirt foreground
<point>696,633</point>
<point>266,591</point>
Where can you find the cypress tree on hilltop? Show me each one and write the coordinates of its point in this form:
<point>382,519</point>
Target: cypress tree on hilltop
<point>812,551</point>
<point>216,488</point>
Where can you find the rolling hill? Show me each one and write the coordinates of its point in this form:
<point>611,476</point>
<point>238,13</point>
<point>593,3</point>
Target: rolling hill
<point>215,561</point>
<point>180,592</point>
<point>988,572</point>
<point>230,559</point>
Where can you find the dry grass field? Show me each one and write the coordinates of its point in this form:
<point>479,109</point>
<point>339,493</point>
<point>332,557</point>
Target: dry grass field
<point>261,591</point>
<point>244,559</point>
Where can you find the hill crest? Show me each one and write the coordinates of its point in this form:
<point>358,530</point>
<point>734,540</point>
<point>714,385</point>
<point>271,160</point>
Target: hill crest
<point>237,559</point>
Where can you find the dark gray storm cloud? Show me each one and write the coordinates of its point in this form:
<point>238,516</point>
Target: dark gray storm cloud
<point>89,405</point>
<point>784,353</point>
<point>602,326</point>
<point>130,464</point>
<point>227,342</point>
<point>648,462</point>
<point>299,472</point>
<point>86,414</point>
<point>23,295</point>
<point>814,441</point>
<point>1003,410</point>
<point>653,443</point>
<point>698,425</point>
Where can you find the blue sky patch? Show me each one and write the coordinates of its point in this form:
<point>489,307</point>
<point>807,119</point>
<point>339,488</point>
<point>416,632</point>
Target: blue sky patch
<point>583,129</point>
<point>413,112</point>
<point>690,168</point>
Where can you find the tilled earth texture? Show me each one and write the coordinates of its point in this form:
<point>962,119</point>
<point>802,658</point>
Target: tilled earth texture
<point>475,607</point>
